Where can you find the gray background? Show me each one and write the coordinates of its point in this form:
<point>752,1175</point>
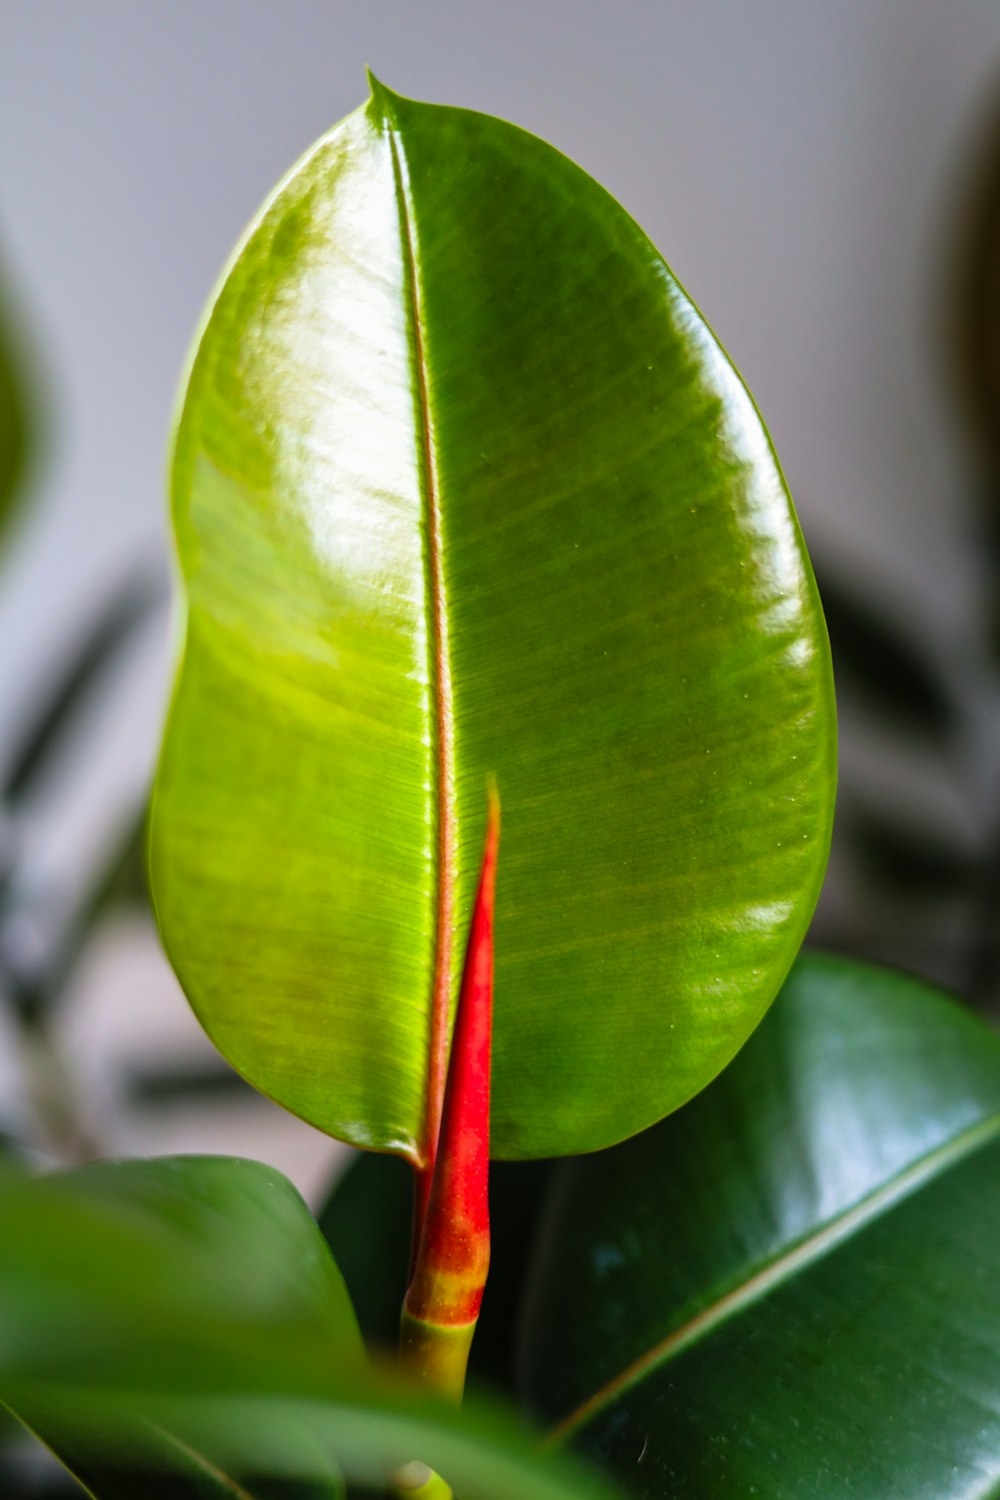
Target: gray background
<point>796,163</point>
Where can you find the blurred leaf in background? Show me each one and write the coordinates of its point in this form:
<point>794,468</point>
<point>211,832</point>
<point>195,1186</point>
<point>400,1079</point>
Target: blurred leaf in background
<point>878,654</point>
<point>972,316</point>
<point>202,1321</point>
<point>17,416</point>
<point>917,847</point>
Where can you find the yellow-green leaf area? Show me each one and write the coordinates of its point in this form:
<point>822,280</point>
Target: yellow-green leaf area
<point>464,486</point>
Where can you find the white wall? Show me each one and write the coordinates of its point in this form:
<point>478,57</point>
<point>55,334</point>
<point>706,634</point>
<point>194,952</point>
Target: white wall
<point>793,161</point>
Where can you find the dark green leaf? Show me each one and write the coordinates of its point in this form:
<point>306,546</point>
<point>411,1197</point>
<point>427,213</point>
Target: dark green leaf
<point>367,1222</point>
<point>463,485</point>
<point>372,1428</point>
<point>145,1462</point>
<point>877,654</point>
<point>367,1226</point>
<point>790,1288</point>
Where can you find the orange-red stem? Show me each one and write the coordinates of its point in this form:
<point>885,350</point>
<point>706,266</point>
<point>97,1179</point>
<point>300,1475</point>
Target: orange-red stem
<point>452,1259</point>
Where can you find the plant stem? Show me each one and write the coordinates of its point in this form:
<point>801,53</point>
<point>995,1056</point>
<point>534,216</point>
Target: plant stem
<point>446,1289</point>
<point>418,1482</point>
<point>450,1263</point>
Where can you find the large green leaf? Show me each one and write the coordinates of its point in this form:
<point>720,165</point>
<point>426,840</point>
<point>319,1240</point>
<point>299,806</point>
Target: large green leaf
<point>790,1288</point>
<point>463,485</point>
<point>187,1274</point>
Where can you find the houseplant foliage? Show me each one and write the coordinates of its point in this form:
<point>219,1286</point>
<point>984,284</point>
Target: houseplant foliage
<point>790,1285</point>
<point>464,488</point>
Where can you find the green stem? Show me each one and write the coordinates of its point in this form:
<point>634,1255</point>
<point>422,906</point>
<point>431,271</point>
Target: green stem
<point>418,1482</point>
<point>436,1356</point>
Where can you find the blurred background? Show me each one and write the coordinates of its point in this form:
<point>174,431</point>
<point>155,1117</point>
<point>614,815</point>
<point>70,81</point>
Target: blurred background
<point>825,181</point>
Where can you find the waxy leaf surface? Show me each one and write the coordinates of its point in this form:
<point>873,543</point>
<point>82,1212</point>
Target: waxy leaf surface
<point>464,486</point>
<point>790,1287</point>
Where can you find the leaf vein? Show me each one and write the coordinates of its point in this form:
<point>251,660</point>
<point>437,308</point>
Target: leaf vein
<point>439,673</point>
<point>772,1273</point>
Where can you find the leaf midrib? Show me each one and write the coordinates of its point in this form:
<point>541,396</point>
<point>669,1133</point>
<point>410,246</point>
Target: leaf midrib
<point>774,1272</point>
<point>439,667</point>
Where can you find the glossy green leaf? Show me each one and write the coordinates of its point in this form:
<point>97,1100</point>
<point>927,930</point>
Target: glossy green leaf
<point>463,485</point>
<point>790,1288</point>
<point>367,1219</point>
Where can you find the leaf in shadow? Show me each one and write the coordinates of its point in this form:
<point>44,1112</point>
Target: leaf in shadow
<point>878,655</point>
<point>192,1083</point>
<point>911,861</point>
<point>36,973</point>
<point>973,297</point>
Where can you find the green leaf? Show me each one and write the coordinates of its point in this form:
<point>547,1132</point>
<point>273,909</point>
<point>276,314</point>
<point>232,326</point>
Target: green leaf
<point>140,1460</point>
<point>181,1274</point>
<point>789,1288</point>
<point>185,1253</point>
<point>367,1219</point>
<point>462,485</point>
<point>177,1328</point>
<point>374,1429</point>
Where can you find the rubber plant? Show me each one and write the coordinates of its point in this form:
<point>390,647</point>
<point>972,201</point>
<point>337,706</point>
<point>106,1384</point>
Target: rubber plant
<point>472,512</point>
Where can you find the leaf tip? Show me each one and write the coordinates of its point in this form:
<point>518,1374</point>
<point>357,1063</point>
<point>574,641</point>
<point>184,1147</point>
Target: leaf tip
<point>381,97</point>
